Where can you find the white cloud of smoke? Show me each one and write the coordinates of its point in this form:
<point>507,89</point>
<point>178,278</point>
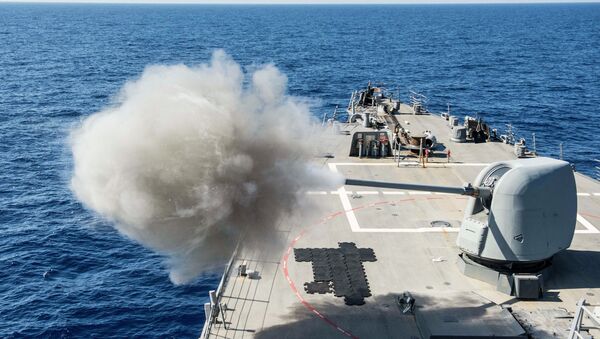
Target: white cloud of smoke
<point>190,158</point>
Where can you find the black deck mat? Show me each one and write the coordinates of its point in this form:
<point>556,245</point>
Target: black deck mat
<point>322,273</point>
<point>317,287</point>
<point>367,254</point>
<point>338,270</point>
<point>354,299</point>
<point>302,254</point>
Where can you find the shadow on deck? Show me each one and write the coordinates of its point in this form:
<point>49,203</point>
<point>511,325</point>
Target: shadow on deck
<point>455,312</point>
<point>575,269</point>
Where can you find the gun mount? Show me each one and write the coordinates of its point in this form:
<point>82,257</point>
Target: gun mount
<point>520,214</point>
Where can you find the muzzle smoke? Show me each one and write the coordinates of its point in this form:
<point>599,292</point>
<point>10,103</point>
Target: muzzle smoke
<point>189,159</point>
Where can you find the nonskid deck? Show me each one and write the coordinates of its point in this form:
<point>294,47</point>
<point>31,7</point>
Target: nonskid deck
<point>411,254</point>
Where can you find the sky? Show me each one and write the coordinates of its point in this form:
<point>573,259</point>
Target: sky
<point>310,1</point>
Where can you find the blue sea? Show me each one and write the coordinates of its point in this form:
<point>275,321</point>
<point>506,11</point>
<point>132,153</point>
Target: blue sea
<point>67,273</point>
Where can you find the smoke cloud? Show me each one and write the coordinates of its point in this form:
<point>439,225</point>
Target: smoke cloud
<point>189,159</point>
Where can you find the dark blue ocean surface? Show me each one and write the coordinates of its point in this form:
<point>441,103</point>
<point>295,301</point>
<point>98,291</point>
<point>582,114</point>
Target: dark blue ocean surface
<point>535,66</point>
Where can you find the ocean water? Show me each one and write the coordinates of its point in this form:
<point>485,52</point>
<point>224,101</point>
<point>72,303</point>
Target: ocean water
<point>535,66</point>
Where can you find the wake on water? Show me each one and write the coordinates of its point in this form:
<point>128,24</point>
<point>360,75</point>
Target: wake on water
<point>190,158</point>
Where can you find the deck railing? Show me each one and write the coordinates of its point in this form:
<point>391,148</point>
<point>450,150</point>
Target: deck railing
<point>214,309</point>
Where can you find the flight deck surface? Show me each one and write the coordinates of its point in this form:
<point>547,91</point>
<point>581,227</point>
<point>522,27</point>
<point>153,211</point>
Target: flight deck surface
<point>411,255</point>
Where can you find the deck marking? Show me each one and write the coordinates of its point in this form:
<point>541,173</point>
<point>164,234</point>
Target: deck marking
<point>355,226</point>
<point>351,216</point>
<point>367,192</point>
<point>411,163</point>
<point>346,204</point>
<point>336,192</point>
<point>400,192</point>
<point>586,224</point>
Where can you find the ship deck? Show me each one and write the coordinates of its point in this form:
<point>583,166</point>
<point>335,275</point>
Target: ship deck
<point>411,255</point>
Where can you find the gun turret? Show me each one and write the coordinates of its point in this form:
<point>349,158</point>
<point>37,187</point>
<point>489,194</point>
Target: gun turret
<point>519,215</point>
<point>519,210</point>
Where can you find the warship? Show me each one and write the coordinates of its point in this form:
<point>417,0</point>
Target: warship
<point>445,228</point>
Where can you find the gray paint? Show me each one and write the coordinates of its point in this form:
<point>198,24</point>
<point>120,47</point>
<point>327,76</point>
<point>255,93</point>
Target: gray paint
<point>532,215</point>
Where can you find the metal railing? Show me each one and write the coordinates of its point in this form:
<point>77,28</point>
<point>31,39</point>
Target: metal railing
<point>214,312</point>
<point>576,327</point>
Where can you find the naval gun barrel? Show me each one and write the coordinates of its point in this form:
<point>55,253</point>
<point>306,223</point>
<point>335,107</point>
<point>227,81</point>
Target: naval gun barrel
<point>482,192</point>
